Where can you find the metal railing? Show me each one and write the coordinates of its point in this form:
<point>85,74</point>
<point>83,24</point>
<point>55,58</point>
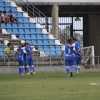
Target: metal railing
<point>39,17</point>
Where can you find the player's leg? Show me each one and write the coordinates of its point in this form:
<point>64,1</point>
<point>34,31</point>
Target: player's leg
<point>32,69</point>
<point>27,65</point>
<point>67,66</point>
<point>78,65</point>
<point>75,63</point>
<point>22,68</point>
<point>71,67</point>
<point>19,67</point>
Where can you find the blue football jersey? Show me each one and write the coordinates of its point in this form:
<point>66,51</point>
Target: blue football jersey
<point>20,54</point>
<point>28,49</point>
<point>68,51</point>
<point>77,48</point>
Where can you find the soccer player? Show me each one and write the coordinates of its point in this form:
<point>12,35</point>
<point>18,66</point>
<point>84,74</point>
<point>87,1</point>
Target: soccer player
<point>21,61</point>
<point>77,56</point>
<point>68,58</point>
<point>29,59</point>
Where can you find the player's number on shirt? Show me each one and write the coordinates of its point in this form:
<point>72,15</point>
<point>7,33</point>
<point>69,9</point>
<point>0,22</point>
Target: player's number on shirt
<point>69,51</point>
<point>78,48</point>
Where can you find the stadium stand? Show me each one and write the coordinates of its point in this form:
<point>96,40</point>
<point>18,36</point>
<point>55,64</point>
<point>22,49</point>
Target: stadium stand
<point>28,31</point>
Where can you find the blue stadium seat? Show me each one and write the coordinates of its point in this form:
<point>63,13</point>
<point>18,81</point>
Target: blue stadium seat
<point>38,31</point>
<point>3,25</point>
<point>34,42</point>
<point>1,54</point>
<point>13,9</point>
<point>29,41</point>
<point>26,20</point>
<point>33,37</point>
<point>27,37</point>
<point>14,14</point>
<point>19,14</point>
<point>21,25</point>
<point>51,42</point>
<point>26,25</point>
<point>27,31</point>
<point>7,9</point>
<point>46,48</point>
<point>9,26</point>
<point>21,31</point>
<point>14,25</point>
<point>47,53</point>
<point>22,37</point>
<point>33,31</point>
<point>45,36</point>
<point>32,26</point>
<point>10,31</point>
<point>45,42</point>
<point>53,53</point>
<point>58,48</point>
<point>39,42</point>
<point>58,53</point>
<point>40,48</point>
<point>52,48</point>
<point>2,9</point>
<point>39,37</point>
<point>1,4</point>
<point>7,4</point>
<point>20,20</point>
<point>15,31</point>
<point>1,49</point>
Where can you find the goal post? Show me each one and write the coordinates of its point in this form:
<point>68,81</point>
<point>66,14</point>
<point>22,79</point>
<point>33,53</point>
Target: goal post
<point>88,54</point>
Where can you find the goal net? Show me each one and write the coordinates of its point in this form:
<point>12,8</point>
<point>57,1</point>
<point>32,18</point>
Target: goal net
<point>88,55</point>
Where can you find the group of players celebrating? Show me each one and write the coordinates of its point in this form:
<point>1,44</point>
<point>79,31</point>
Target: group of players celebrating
<point>72,52</point>
<point>25,59</point>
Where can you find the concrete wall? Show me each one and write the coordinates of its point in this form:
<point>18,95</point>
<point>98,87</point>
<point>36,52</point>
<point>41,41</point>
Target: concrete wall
<point>94,32</point>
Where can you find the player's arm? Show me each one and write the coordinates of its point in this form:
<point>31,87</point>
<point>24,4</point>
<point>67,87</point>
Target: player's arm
<point>76,51</point>
<point>63,49</point>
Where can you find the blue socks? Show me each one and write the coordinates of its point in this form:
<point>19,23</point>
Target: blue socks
<point>28,69</point>
<point>67,70</point>
<point>75,68</point>
<point>32,69</point>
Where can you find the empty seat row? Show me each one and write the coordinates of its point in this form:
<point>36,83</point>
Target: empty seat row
<point>7,9</point>
<point>2,4</point>
<point>40,42</point>
<point>53,53</point>
<point>33,37</point>
<point>26,31</point>
<point>18,25</point>
<point>49,48</point>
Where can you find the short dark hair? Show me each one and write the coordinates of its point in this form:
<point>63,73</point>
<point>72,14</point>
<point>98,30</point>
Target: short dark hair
<point>74,39</point>
<point>4,11</point>
<point>1,11</point>
<point>9,44</point>
<point>69,41</point>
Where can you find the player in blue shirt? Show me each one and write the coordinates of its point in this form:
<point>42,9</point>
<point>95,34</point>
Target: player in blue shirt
<point>77,55</point>
<point>29,59</point>
<point>68,58</point>
<point>21,61</point>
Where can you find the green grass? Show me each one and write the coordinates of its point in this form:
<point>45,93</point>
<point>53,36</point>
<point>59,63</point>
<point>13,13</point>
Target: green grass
<point>50,86</point>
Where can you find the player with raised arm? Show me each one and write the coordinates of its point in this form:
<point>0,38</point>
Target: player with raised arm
<point>68,58</point>
<point>77,55</point>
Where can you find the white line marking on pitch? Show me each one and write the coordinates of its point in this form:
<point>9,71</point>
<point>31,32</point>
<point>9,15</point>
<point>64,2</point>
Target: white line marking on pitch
<point>94,84</point>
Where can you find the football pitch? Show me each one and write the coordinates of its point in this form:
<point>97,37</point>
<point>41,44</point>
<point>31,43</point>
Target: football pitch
<point>50,86</point>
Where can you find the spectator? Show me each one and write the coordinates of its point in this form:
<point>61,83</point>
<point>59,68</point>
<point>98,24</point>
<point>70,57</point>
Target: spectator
<point>8,50</point>
<point>12,17</point>
<point>1,17</point>
<point>6,17</point>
